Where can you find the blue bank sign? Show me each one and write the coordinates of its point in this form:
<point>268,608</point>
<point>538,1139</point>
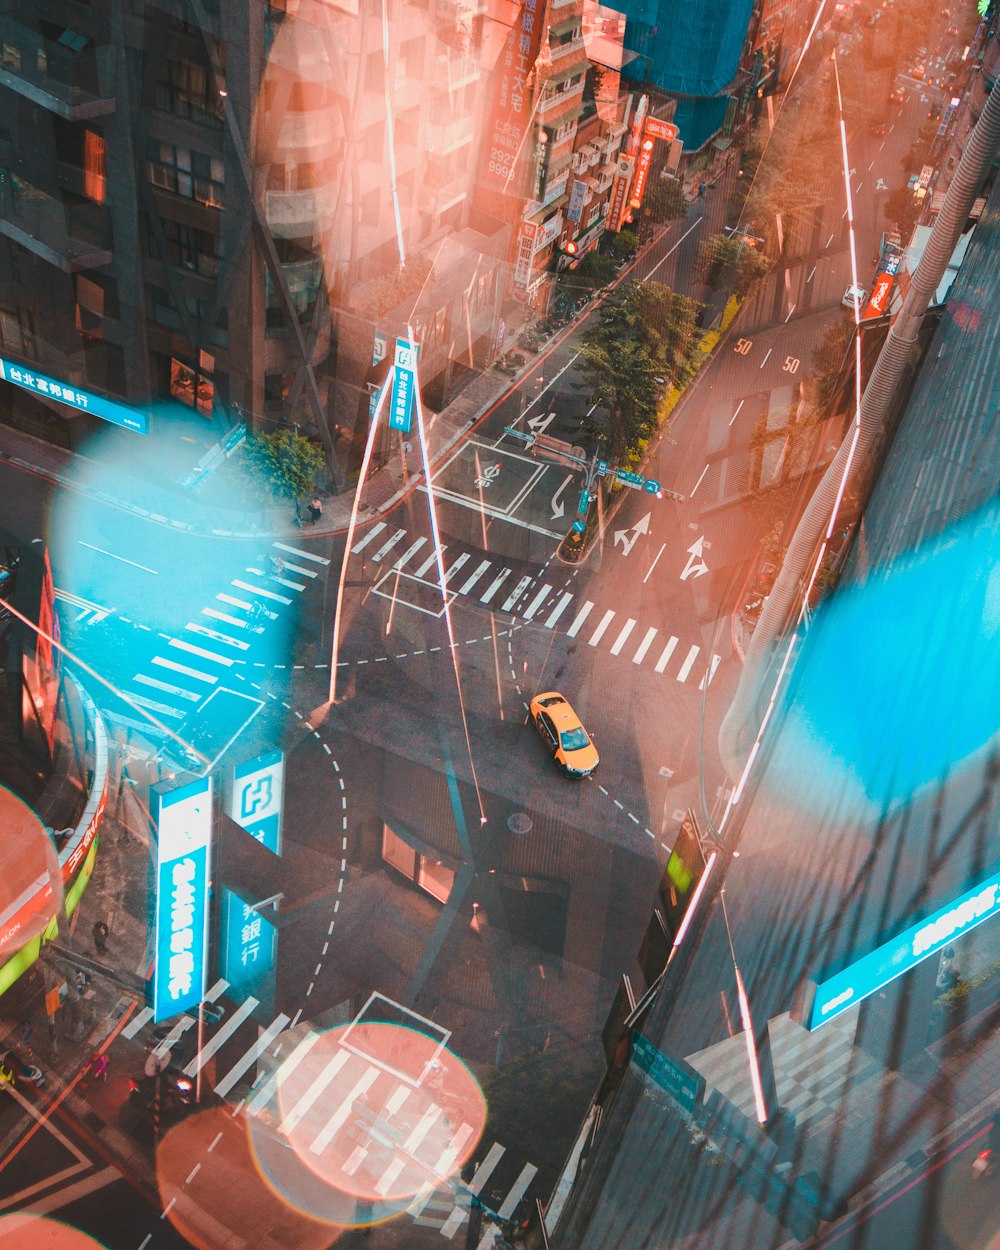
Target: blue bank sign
<point>65,393</point>
<point>890,960</point>
<point>183,817</point>
<point>404,378</point>
<point>248,939</point>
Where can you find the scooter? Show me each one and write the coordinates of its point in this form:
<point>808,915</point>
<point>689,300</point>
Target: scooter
<point>984,1163</point>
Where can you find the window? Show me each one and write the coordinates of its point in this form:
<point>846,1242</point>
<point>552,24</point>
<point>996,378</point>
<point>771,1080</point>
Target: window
<point>89,307</point>
<point>276,388</point>
<point>188,90</point>
<point>194,175</point>
<point>191,248</point>
<point>17,331</point>
<point>95,166</point>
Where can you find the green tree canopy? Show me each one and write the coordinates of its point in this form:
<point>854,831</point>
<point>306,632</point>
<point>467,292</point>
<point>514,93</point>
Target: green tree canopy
<point>594,270</point>
<point>284,462</point>
<point>619,364</point>
<point>664,200</point>
<point>730,263</point>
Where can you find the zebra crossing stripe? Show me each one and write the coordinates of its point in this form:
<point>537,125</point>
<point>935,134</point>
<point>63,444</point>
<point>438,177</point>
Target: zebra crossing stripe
<point>214,634</point>
<point>138,1020</point>
<point>221,616</point>
<point>260,590</point>
<point>302,572</point>
<point>518,1191</point>
<point>266,1090</point>
<point>462,559</point>
<point>422,1127</point>
<point>485,1170</point>
<point>175,1035</point>
<point>644,646</point>
<point>492,590</point>
<point>599,632</point>
<point>252,1055</point>
<point>189,695</point>
<point>688,664</point>
<point>421,1198</point>
<point>409,553</point>
<point>666,653</point>
<point>209,679</point>
<point>160,709</point>
<point>536,603</point>
<point>205,655</point>
<point>313,1092</point>
<point>581,616</point>
<point>454,1222</point>
<point>221,1036</point>
<point>336,1122</point>
<point>234,602</point>
<point>558,610</point>
<point>430,560</point>
<point>307,555</point>
<point>360,546</point>
<point>449,1157</point>
<point>706,680</point>
<point>516,593</point>
<point>623,637</point>
<point>388,546</point>
<point>484,565</point>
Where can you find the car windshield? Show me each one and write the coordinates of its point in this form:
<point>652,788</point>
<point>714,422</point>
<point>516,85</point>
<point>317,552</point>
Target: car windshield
<point>574,739</point>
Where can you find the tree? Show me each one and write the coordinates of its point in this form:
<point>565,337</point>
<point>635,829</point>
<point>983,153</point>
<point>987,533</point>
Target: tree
<point>902,208</point>
<point>665,200</point>
<point>734,263</point>
<point>624,244</point>
<point>828,358</point>
<point>594,270</point>
<point>670,321</point>
<point>620,370</point>
<point>284,463</point>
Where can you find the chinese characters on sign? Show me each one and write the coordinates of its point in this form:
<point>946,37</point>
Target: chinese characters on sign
<point>248,948</point>
<point>525,251</point>
<point>403,381</point>
<point>511,108</point>
<point>82,401</point>
<point>574,210</point>
<point>183,819</point>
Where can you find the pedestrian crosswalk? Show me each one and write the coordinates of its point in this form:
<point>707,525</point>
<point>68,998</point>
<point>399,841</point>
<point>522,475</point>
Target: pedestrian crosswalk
<point>182,679</point>
<point>333,1101</point>
<point>499,585</point>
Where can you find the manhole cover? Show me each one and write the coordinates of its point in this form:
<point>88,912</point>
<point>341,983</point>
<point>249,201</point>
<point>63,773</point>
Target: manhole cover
<point>519,822</point>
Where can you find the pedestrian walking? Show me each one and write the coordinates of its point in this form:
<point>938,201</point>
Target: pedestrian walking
<point>100,935</point>
<point>315,509</point>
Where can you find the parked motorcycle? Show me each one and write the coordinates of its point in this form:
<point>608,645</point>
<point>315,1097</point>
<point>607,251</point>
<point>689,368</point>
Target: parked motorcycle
<point>984,1164</point>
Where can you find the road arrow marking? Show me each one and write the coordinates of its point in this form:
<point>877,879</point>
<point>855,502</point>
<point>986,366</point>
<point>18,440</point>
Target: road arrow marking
<point>695,565</point>
<point>557,509</point>
<point>622,536</point>
<point>540,424</point>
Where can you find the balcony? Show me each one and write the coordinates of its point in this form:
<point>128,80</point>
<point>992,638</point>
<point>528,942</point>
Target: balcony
<point>444,138</point>
<point>73,84</point>
<point>69,238</point>
<point>292,214</point>
<point>452,72</point>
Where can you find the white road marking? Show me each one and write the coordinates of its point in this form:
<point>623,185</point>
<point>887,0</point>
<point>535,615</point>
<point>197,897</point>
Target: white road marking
<point>308,555</point>
<point>313,1092</point>
<point>483,566</point>
<point>811,272</point>
<point>699,482</point>
<point>765,360</point>
<point>251,1056</point>
<point>558,610</point>
<point>190,695</point>
<point>666,653</point>
<point>518,1191</point>
<point>260,590</point>
<point>336,1121</point>
<point>409,553</point>
<point>137,1021</point>
<point>234,602</point>
<point>706,680</point>
<point>214,634</point>
<point>372,533</point>
<point>653,565</point>
<point>208,678</point>
<point>581,616</point>
<point>644,646</point>
<point>205,655</point>
<point>484,1171</point>
<point>689,660</point>
<point>221,616</point>
<point>449,573</point>
<point>600,631</point>
<point>790,311</point>
<point>492,590</point>
<point>221,1036</point>
<point>419,572</point>
<point>112,556</point>
<point>73,1193</point>
<point>536,603</point>
<point>516,593</point>
<point>623,637</point>
<point>735,415</point>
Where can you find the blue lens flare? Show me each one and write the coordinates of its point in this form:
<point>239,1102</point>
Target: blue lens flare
<point>899,680</point>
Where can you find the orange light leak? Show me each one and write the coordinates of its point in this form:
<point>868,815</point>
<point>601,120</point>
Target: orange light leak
<point>380,1111</point>
<point>26,1231</point>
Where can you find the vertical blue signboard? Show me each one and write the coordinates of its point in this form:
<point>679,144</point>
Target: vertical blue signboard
<point>183,817</point>
<point>248,946</point>
<point>404,378</point>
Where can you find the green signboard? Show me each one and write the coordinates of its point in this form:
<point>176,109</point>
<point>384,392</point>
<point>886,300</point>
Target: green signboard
<point>683,1086</point>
